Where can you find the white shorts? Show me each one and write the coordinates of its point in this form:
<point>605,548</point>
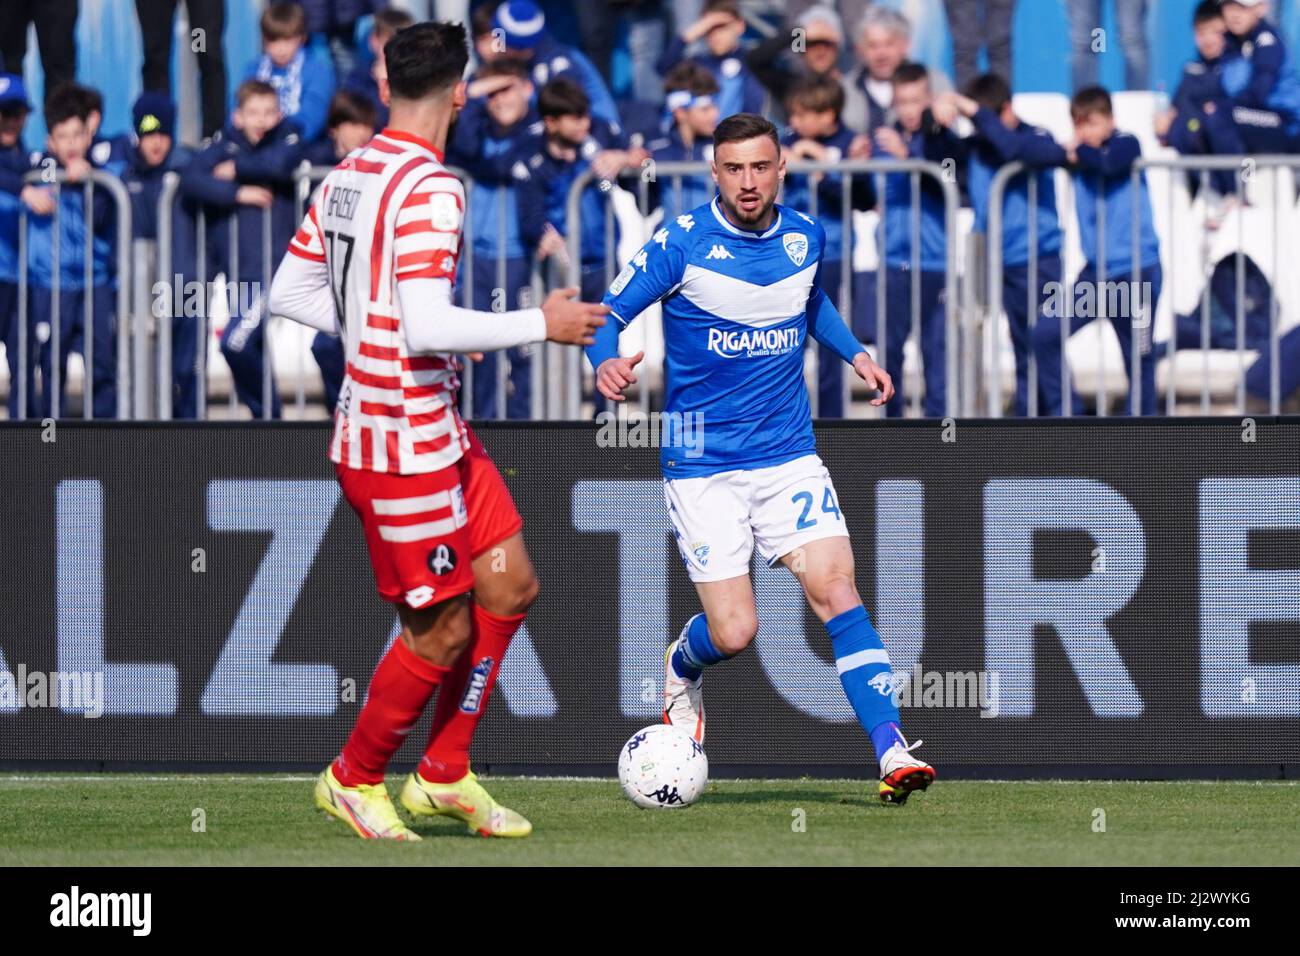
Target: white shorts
<point>719,518</point>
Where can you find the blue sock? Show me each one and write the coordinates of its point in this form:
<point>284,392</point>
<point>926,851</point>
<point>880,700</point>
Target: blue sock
<point>697,651</point>
<point>866,675</point>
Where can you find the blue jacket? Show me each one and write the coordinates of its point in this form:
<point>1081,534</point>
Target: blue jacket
<point>271,163</point>
<point>738,89</point>
<point>543,192</point>
<point>1201,83</point>
<point>695,190</point>
<point>1107,172</point>
<point>830,191</point>
<point>326,14</point>
<point>72,241</point>
<point>994,146</point>
<point>487,152</point>
<point>934,143</point>
<point>144,184</point>
<point>361,81</point>
<point>1258,74</point>
<point>552,58</point>
<point>304,86</point>
<point>15,162</point>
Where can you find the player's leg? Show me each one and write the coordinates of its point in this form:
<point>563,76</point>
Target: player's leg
<point>505,585</point>
<point>710,518</point>
<point>798,521</point>
<point>396,511</point>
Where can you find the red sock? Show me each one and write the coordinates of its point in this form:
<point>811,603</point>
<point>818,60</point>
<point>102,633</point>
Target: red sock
<point>464,697</point>
<point>402,685</point>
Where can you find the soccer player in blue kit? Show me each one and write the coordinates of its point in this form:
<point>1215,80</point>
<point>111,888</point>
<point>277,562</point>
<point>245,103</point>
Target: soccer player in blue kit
<point>738,281</point>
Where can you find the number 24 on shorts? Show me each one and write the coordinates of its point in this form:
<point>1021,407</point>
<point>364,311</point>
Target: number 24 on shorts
<point>828,507</point>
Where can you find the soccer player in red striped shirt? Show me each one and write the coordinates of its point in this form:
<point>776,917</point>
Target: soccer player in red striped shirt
<point>375,261</point>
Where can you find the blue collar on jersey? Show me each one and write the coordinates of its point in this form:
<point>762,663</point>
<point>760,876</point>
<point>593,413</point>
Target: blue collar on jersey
<point>717,212</point>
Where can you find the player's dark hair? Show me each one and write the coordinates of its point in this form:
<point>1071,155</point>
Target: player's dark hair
<point>349,106</point>
<point>990,90</point>
<point>745,126</point>
<point>250,88</point>
<point>1089,101</point>
<point>816,94</point>
<point>694,78</point>
<point>425,59</point>
<point>563,97</point>
<point>1206,11</point>
<point>388,21</point>
<point>283,20</point>
<point>910,73</point>
<point>66,101</point>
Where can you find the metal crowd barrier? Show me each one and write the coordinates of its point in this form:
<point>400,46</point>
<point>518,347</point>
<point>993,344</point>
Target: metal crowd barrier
<point>915,169</point>
<point>122,319</point>
<point>1202,165</point>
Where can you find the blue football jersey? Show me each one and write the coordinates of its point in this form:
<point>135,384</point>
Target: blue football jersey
<point>735,306</point>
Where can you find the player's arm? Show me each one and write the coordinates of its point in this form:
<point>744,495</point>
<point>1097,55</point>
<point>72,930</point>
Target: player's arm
<point>301,287</point>
<point>654,273</point>
<point>426,249</point>
<point>826,325</point>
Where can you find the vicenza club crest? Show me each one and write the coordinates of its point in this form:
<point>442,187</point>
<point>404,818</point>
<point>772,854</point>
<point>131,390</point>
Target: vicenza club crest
<point>796,247</point>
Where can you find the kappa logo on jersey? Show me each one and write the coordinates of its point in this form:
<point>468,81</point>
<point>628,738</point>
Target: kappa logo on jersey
<point>686,221</point>
<point>475,686</point>
<point>419,597</point>
<point>796,247</point>
<point>442,560</point>
<point>661,237</point>
<point>640,259</point>
<point>753,343</point>
<point>719,252</point>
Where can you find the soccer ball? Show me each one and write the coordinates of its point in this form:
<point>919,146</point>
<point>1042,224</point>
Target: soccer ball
<point>662,767</point>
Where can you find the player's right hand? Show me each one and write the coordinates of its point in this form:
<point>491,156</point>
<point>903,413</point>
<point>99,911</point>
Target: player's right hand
<point>570,322</point>
<point>615,375</point>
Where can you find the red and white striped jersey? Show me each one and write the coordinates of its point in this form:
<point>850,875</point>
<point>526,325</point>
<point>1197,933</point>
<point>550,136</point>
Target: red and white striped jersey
<point>388,213</point>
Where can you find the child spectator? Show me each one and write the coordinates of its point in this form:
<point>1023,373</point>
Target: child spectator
<point>1261,83</point>
<point>694,113</point>
<point>15,163</point>
<point>333,25</point>
<point>1001,137</point>
<point>351,124</point>
<point>497,128</point>
<point>1103,161</point>
<point>303,78</point>
<point>915,134</point>
<point>245,175</point>
<point>720,27</point>
<point>366,79</point>
<point>68,145</point>
<point>816,133</point>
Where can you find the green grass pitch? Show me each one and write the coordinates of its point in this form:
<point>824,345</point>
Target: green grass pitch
<point>117,820</point>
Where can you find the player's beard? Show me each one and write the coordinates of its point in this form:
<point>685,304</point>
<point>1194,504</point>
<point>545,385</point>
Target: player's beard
<point>751,216</point>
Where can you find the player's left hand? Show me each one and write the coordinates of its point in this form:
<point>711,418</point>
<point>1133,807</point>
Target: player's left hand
<point>875,377</point>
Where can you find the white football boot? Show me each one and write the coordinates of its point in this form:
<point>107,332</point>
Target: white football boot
<point>683,699</point>
<point>901,773</point>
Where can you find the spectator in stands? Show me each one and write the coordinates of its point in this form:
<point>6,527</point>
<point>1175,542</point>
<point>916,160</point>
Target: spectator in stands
<point>1001,137</point>
<point>15,163</point>
<point>915,134</point>
<point>334,23</point>
<point>692,105</point>
<point>523,28</point>
<point>1261,84</point>
<point>1259,377</point>
<point>643,25</point>
<point>498,129</point>
<point>351,124</point>
<point>302,77</point>
<point>156,31</point>
<point>574,141</point>
<point>976,25</point>
<point>68,145</point>
<point>56,38</point>
<point>816,134</point>
<point>884,40</point>
<point>1088,40</point>
<point>1103,159</point>
<point>811,47</point>
<point>720,28</point>
<point>366,79</point>
<point>150,151</point>
<point>1186,124</point>
<point>247,174</point>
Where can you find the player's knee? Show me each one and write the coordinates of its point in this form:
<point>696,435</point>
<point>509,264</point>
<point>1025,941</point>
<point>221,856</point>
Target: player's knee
<point>834,593</point>
<point>440,635</point>
<point>519,594</point>
<point>733,634</point>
